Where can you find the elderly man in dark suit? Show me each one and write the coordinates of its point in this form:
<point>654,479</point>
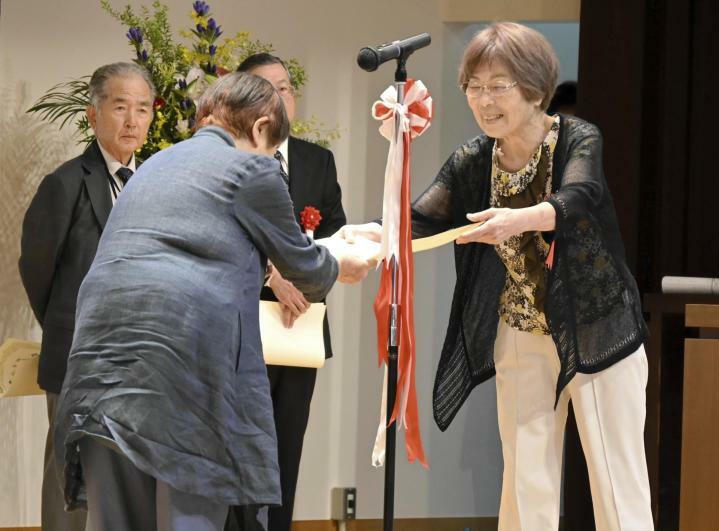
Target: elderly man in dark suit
<point>310,173</point>
<point>61,231</point>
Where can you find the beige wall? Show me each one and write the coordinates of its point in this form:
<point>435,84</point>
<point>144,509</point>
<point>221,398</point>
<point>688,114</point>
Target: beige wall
<point>526,10</point>
<point>44,43</point>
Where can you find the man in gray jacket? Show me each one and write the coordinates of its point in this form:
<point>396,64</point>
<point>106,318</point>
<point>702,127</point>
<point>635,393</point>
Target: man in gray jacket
<point>165,417</point>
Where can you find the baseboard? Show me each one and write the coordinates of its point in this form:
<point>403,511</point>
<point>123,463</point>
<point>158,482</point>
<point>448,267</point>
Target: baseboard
<point>400,524</point>
<point>403,524</point>
<point>408,524</point>
<point>433,524</point>
<point>487,523</point>
<point>313,525</point>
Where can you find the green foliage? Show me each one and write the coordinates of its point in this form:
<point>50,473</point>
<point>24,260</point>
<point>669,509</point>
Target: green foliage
<point>180,75</point>
<point>66,102</point>
<point>314,131</point>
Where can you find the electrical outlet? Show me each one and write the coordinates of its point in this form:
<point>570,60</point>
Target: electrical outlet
<point>343,503</point>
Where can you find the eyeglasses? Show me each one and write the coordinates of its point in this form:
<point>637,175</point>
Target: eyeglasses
<point>286,90</point>
<point>494,90</point>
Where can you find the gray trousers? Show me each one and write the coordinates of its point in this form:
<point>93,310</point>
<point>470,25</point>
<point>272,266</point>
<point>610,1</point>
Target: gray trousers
<point>120,497</point>
<point>53,515</point>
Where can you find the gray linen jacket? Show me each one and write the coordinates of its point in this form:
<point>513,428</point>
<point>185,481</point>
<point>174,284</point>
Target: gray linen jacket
<point>166,363</point>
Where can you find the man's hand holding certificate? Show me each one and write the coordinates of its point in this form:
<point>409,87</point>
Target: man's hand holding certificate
<point>358,246</point>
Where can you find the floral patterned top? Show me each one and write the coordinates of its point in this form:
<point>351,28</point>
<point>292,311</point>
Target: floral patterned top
<point>521,304</point>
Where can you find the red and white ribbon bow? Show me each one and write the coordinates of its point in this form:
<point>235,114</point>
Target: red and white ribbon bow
<point>415,114</point>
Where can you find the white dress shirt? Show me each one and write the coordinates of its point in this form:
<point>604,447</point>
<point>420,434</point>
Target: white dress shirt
<point>112,166</point>
<point>283,149</point>
<point>285,163</point>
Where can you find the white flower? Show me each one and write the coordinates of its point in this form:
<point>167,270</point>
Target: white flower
<point>183,127</point>
<point>200,83</point>
<point>194,73</point>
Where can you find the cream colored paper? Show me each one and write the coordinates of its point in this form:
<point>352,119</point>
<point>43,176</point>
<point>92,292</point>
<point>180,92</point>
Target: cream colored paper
<point>302,345</point>
<point>18,368</point>
<point>360,247</point>
<point>369,250</point>
<point>430,242</point>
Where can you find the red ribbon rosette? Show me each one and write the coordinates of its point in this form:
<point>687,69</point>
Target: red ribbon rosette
<point>310,218</point>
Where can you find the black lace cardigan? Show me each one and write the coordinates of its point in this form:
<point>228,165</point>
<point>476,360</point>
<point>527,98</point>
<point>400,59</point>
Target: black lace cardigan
<point>592,307</point>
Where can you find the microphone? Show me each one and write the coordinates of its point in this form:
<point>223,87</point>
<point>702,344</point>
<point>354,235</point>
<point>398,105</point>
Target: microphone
<point>370,58</point>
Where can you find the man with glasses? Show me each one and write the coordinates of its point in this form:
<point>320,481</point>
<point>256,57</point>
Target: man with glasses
<point>311,176</point>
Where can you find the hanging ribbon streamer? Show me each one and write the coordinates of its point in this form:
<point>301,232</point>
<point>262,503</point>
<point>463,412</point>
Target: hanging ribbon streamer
<point>415,114</point>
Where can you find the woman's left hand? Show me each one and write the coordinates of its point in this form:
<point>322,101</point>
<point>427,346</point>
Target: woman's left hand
<point>499,224</point>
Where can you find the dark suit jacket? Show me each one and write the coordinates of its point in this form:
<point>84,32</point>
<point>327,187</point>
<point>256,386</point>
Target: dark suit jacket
<point>313,182</point>
<point>60,233</point>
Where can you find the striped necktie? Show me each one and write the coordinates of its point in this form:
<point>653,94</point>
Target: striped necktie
<point>283,173</point>
<point>124,175</point>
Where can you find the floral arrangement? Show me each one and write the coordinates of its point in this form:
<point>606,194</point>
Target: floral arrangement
<point>180,75</point>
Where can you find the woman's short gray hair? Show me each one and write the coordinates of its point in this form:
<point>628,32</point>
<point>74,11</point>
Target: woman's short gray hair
<point>100,77</point>
<point>524,51</point>
<point>237,100</point>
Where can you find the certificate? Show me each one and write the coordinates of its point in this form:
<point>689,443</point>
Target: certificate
<point>18,368</point>
<point>369,250</point>
<point>303,345</point>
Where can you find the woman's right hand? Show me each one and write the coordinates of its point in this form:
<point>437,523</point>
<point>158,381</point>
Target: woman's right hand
<point>371,231</point>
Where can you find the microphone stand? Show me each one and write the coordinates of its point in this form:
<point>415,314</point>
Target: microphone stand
<point>400,78</point>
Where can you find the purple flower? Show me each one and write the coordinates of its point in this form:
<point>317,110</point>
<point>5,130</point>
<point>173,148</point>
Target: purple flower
<point>201,8</point>
<point>182,84</point>
<point>186,104</point>
<point>191,122</point>
<point>213,49</point>
<point>211,31</point>
<point>142,55</point>
<point>210,68</point>
<point>135,35</point>
<point>213,28</point>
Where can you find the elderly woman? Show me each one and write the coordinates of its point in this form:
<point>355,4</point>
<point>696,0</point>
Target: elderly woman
<point>165,417</point>
<point>543,297</point>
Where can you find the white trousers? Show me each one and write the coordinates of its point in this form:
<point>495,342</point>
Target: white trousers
<point>610,407</point>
